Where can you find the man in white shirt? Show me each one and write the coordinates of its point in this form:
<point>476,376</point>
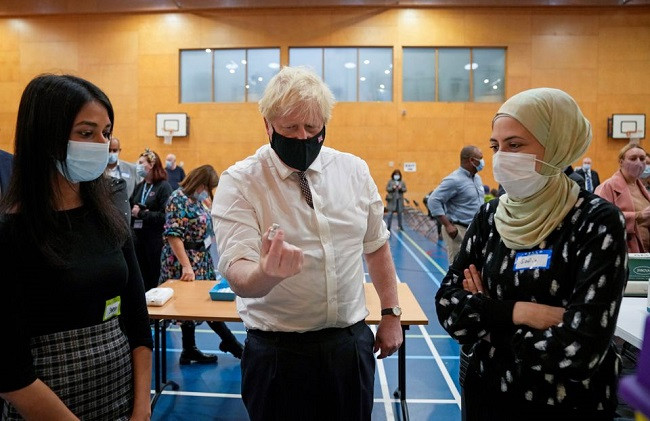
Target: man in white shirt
<point>121,169</point>
<point>309,353</point>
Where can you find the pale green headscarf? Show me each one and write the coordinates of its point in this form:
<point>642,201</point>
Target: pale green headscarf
<point>556,121</point>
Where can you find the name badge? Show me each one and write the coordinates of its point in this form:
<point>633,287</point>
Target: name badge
<point>207,242</point>
<point>112,308</point>
<point>137,224</point>
<point>539,259</point>
<point>126,175</point>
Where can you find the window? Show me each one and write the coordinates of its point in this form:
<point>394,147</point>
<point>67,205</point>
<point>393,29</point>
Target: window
<point>227,75</point>
<point>353,74</point>
<point>454,74</point>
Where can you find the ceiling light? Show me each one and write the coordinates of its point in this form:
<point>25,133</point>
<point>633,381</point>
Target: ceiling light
<point>349,65</point>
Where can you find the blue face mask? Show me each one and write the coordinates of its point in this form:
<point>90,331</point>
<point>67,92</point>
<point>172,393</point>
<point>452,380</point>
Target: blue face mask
<point>112,157</point>
<point>200,197</point>
<point>168,165</point>
<point>141,170</point>
<point>85,161</point>
<point>586,167</point>
<point>481,164</point>
<point>646,172</point>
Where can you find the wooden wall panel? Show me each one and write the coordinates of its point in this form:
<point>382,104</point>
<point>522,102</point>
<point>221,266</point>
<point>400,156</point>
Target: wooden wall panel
<point>599,55</point>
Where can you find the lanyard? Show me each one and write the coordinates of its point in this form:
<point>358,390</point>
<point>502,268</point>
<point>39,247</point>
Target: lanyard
<point>145,192</point>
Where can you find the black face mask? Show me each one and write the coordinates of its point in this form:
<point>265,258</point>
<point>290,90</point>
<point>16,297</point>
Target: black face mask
<point>297,153</point>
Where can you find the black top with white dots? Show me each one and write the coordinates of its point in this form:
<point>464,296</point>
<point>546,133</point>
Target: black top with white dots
<point>572,365</point>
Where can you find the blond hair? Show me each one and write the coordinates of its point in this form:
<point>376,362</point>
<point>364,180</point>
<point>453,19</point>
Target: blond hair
<point>626,148</point>
<point>297,89</point>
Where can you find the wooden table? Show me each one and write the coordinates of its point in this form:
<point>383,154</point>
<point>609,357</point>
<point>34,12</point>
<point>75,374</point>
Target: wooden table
<point>191,301</point>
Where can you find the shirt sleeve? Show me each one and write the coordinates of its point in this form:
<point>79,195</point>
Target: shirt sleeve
<point>134,314</point>
<point>445,191</point>
<point>176,220</point>
<point>16,367</point>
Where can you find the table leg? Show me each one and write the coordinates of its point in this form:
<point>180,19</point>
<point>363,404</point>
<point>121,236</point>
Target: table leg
<point>400,392</point>
<point>160,357</point>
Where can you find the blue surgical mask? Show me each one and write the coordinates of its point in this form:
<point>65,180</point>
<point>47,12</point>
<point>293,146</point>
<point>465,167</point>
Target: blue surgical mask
<point>200,197</point>
<point>141,170</point>
<point>112,158</point>
<point>646,172</point>
<point>481,164</point>
<point>396,177</point>
<point>168,165</point>
<point>586,167</point>
<point>85,161</point>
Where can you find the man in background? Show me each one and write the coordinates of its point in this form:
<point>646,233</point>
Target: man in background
<point>591,177</point>
<point>458,197</point>
<point>121,169</point>
<point>6,161</point>
<point>175,174</point>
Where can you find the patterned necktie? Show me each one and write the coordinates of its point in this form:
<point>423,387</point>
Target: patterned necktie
<point>588,184</point>
<point>304,186</point>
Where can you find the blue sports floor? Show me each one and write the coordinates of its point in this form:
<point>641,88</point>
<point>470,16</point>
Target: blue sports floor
<point>211,392</point>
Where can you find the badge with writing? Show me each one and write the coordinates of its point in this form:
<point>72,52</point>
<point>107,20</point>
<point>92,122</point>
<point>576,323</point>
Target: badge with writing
<point>112,308</point>
<point>539,259</point>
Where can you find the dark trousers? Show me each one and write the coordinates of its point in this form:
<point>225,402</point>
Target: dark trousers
<point>321,375</point>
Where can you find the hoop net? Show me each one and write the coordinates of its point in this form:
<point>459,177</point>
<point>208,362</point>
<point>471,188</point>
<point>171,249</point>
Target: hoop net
<point>633,136</point>
<point>169,134</point>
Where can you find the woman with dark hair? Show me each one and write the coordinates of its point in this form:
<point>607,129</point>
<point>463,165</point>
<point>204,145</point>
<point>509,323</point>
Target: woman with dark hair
<point>186,253</point>
<point>148,215</point>
<point>76,341</point>
<point>395,198</point>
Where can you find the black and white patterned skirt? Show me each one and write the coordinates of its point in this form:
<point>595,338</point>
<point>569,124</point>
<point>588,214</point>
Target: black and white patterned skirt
<point>90,369</point>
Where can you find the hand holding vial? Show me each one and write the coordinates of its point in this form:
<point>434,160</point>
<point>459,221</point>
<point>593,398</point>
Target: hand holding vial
<point>280,259</point>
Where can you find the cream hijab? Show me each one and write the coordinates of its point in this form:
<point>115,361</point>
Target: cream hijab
<point>556,121</point>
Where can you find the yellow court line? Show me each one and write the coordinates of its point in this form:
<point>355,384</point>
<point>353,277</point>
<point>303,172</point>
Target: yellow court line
<point>424,253</point>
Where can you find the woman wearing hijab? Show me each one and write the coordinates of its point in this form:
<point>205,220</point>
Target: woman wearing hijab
<point>536,288</point>
<point>395,198</point>
<point>626,191</point>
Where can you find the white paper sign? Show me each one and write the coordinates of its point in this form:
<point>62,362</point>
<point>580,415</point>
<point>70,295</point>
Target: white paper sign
<point>410,167</point>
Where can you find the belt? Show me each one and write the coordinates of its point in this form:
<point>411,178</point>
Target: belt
<point>460,223</point>
<point>194,245</point>
<point>310,336</point>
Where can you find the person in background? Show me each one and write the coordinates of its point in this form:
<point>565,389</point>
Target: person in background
<point>148,215</point>
<point>489,194</point>
<point>186,255</point>
<point>591,177</point>
<point>76,336</point>
<point>121,169</point>
<point>175,173</point>
<point>535,291</point>
<point>579,180</point>
<point>627,192</point>
<point>395,198</point>
<point>457,198</point>
<point>6,160</point>
<point>308,352</point>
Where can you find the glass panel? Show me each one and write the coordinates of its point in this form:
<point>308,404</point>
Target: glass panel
<point>341,73</point>
<point>229,75</point>
<point>375,74</point>
<point>196,76</point>
<point>453,74</point>
<point>489,75</point>
<point>263,64</point>
<point>419,73</point>
<point>312,58</point>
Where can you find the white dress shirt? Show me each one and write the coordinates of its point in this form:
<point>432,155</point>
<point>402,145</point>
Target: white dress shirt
<point>346,222</point>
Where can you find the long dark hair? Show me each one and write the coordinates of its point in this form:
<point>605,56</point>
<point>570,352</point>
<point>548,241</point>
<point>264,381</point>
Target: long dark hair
<point>48,108</point>
<point>205,175</point>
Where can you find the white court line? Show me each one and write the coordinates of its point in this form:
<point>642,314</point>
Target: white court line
<point>383,383</point>
<point>199,394</point>
<point>432,348</point>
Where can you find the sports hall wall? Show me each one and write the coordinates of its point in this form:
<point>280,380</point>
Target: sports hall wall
<point>601,56</point>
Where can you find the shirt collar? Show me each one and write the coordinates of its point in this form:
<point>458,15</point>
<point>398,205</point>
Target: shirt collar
<point>466,172</point>
<point>285,171</point>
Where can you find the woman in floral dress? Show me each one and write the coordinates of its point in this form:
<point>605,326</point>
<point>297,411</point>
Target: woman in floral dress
<point>186,254</point>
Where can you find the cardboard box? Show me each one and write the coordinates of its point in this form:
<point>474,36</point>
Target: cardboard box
<point>222,292</point>
<point>639,266</point>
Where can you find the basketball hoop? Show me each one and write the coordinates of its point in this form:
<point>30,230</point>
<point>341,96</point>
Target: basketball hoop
<point>169,134</point>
